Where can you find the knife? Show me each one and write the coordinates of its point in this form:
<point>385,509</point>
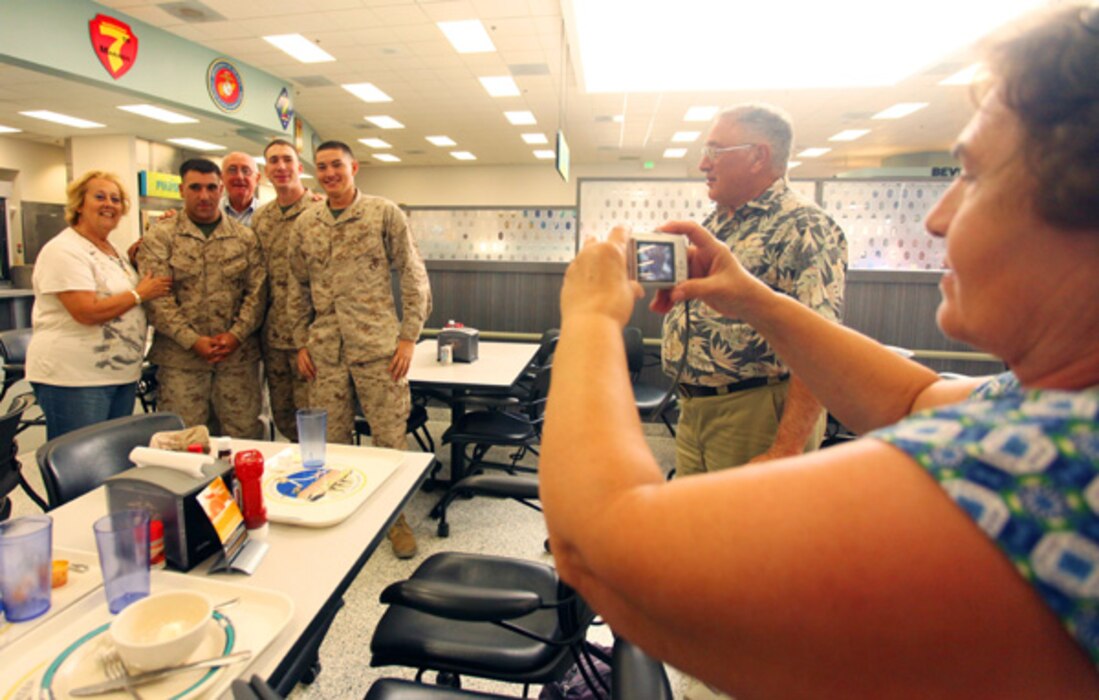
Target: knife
<point>152,676</point>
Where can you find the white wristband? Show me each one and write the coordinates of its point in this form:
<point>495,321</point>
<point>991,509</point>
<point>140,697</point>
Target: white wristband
<point>137,297</point>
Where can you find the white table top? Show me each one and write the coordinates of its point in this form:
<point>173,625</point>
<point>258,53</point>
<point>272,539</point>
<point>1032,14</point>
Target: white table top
<point>308,564</point>
<point>498,365</point>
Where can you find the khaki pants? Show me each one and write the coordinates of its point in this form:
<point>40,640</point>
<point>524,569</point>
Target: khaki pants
<point>385,403</point>
<point>717,432</point>
<point>233,392</point>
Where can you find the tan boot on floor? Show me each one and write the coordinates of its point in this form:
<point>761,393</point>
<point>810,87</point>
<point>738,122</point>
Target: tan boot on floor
<point>402,539</point>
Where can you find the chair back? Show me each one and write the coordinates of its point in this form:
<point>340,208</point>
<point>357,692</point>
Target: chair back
<point>78,462</point>
<point>539,392</point>
<point>547,346</point>
<point>13,345</point>
<point>9,465</point>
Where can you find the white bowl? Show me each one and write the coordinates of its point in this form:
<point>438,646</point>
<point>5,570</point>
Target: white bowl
<point>161,630</point>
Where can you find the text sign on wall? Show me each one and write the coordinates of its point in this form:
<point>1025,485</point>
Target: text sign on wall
<point>163,185</point>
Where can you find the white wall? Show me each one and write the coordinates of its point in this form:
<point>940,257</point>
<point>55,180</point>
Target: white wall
<point>35,173</point>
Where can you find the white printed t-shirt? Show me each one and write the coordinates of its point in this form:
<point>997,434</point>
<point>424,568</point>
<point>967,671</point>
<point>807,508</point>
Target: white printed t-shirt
<point>63,352</point>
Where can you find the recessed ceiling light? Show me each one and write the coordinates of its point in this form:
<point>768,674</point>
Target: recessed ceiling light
<point>792,164</point>
<point>814,152</point>
<point>965,76</point>
<point>467,36</point>
<point>386,157</point>
<point>367,92</point>
<point>383,122</point>
<point>306,176</point>
<point>48,116</point>
<point>158,113</point>
<point>675,152</point>
<point>520,118</point>
<point>197,144</point>
<point>618,118</point>
<point>260,160</point>
<point>545,154</point>
<point>849,135</point>
<point>901,109</point>
<point>700,114</point>
<point>441,141</point>
<point>299,47</point>
<point>685,136</point>
<point>375,143</point>
<point>9,130</point>
<point>534,138</point>
<point>500,86</point>
<point>463,155</point>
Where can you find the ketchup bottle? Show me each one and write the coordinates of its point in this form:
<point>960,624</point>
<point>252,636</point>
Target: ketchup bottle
<point>249,468</point>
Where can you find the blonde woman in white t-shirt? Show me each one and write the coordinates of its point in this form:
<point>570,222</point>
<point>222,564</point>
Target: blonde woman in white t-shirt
<point>84,359</point>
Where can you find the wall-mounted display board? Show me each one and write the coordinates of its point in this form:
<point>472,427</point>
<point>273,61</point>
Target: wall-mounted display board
<point>541,235</point>
<point>883,219</point>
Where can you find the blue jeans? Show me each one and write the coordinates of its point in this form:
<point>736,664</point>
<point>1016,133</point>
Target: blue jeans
<point>70,407</point>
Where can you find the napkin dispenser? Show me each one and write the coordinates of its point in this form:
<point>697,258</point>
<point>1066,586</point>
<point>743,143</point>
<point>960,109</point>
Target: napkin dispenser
<point>463,343</point>
<point>171,496</point>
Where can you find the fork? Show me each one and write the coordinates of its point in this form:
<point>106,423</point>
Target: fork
<point>116,670</point>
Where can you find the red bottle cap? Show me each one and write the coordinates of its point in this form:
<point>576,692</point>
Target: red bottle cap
<point>156,529</point>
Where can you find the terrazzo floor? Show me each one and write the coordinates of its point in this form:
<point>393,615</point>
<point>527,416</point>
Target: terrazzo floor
<point>481,525</point>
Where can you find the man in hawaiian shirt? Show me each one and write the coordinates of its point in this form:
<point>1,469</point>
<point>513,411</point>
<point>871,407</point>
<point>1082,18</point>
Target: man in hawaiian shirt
<point>739,402</point>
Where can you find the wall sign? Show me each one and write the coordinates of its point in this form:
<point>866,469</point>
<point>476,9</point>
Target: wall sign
<point>114,44</point>
<point>284,108</point>
<point>154,184</point>
<point>225,85</point>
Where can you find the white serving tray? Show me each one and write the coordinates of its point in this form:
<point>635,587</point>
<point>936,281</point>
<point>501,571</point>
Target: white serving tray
<point>79,585</point>
<point>257,619</point>
<point>364,469</point>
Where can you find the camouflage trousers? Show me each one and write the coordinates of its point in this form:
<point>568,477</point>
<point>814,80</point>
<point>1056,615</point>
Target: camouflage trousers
<point>385,403</point>
<point>286,388</point>
<point>232,392</point>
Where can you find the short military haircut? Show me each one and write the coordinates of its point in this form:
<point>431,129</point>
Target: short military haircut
<point>335,145</point>
<point>199,165</point>
<point>279,142</point>
<point>771,124</point>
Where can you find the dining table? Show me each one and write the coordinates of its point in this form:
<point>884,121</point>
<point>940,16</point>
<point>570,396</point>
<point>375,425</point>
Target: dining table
<point>283,609</point>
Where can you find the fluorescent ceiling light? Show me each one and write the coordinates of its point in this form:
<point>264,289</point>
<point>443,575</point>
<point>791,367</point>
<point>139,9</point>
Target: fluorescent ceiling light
<point>813,152</point>
<point>467,36</point>
<point>615,41</point>
<point>386,157</point>
<point>534,138</point>
<point>306,176</point>
<point>9,130</point>
<point>500,86</point>
<point>520,118</point>
<point>260,160</point>
<point>901,109</point>
<point>965,76</point>
<point>367,92</point>
<point>158,113</point>
<point>197,144</point>
<point>545,154</point>
<point>793,164</point>
<point>675,152</point>
<point>48,116</point>
<point>299,47</point>
<point>383,122</point>
<point>463,155</point>
<point>849,135</point>
<point>441,141</point>
<point>618,118</point>
<point>700,114</point>
<point>375,143</point>
<point>685,136</point>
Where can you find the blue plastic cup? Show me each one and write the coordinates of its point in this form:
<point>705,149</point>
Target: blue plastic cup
<point>312,433</point>
<point>122,539</point>
<point>26,560</point>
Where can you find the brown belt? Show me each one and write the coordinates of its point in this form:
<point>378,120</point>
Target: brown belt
<point>695,391</point>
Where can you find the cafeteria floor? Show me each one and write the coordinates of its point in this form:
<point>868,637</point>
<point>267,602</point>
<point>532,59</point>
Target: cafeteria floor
<point>483,525</point>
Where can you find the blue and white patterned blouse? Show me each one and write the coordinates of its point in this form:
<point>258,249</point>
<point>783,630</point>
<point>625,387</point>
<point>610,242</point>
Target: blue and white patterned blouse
<point>1024,464</point>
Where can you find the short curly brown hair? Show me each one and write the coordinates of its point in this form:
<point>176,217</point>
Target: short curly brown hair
<point>1046,72</point>
<point>79,187</point>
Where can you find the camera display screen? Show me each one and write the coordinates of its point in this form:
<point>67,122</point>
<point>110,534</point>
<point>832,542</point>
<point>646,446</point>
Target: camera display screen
<point>655,262</point>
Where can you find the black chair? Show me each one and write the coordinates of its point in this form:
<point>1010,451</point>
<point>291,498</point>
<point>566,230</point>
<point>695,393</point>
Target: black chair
<point>543,359</point>
<point>11,470</point>
<point>78,462</point>
<point>635,676</point>
<point>652,401</point>
<point>502,422</point>
<point>491,617</point>
<point>13,350</point>
<point>148,388</point>
<point>417,423</point>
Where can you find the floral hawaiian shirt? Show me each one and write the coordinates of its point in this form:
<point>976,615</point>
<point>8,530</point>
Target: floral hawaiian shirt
<point>1024,464</point>
<point>787,242</point>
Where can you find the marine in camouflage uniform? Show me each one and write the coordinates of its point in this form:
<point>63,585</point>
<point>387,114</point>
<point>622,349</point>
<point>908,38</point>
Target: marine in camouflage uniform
<point>220,285</point>
<point>288,390</point>
<point>342,305</point>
